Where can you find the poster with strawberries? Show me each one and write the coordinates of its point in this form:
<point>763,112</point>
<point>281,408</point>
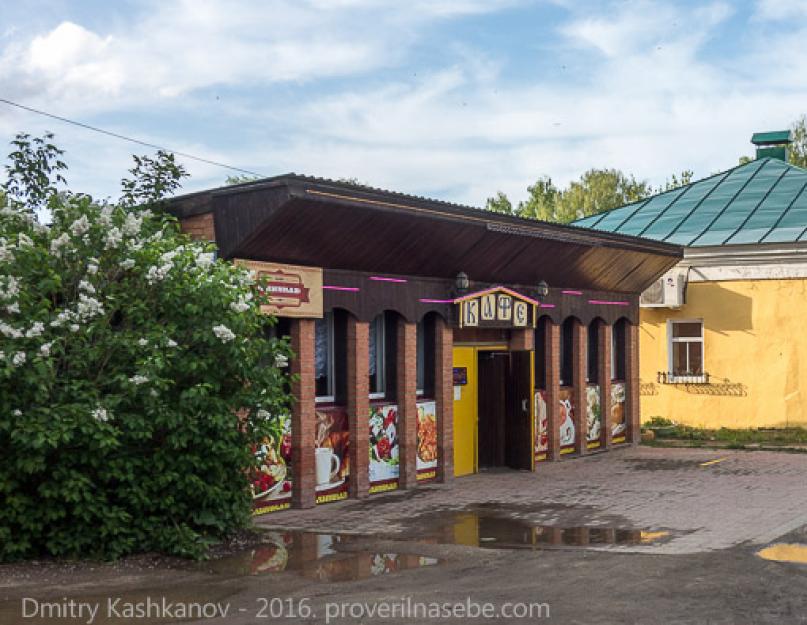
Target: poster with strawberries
<point>384,461</point>
<point>271,480</point>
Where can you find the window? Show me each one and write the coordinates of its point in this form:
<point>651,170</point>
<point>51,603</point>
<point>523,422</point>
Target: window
<point>377,358</point>
<point>593,372</point>
<point>618,350</point>
<point>324,346</point>
<point>425,356</point>
<point>421,357</point>
<point>686,349</point>
<point>566,352</point>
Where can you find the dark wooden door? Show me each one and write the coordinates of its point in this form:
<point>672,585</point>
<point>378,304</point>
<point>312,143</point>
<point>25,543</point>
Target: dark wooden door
<point>493,374</point>
<point>518,430</point>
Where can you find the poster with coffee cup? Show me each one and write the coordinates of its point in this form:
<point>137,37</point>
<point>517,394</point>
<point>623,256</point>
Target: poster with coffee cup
<point>331,458</point>
<point>384,461</point>
<point>271,480</point>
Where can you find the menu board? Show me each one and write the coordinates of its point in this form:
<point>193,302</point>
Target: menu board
<point>426,463</point>
<point>331,454</point>
<point>384,448</point>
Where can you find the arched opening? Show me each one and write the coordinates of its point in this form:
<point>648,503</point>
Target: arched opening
<point>567,352</point>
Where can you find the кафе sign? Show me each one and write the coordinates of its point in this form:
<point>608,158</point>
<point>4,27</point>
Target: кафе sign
<point>497,307</point>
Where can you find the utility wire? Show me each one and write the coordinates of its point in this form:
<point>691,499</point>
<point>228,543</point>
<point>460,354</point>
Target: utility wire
<point>125,138</point>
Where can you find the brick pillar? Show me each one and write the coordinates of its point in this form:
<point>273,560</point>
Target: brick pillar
<point>406,372</point>
<point>444,397</point>
<point>303,413</point>
<point>579,358</point>
<point>552,365</point>
<point>522,340</point>
<point>358,405</point>
<point>632,417</point>
<point>604,374</point>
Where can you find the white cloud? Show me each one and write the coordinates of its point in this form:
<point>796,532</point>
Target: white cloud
<point>781,9</point>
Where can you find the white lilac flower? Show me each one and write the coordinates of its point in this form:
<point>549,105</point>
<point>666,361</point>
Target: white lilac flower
<point>23,240</point>
<point>17,412</point>
<point>35,330</point>
<point>9,331</point>
<point>143,342</point>
<point>74,327</point>
<point>204,260</point>
<point>86,286</point>
<point>132,224</point>
<point>45,348</point>
<point>92,267</point>
<point>281,361</point>
<point>100,414</point>
<point>171,343</point>
<point>263,414</point>
<point>13,308</point>
<point>105,218</point>
<point>89,307</point>
<point>223,333</point>
<point>80,226</point>
<point>18,359</point>
<point>5,251</point>
<point>113,239</point>
<point>12,288</point>
<point>58,243</point>
<point>127,263</point>
<point>138,379</point>
<point>240,306</point>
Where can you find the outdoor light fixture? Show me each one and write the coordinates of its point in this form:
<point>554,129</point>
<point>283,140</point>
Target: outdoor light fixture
<point>461,282</point>
<point>543,288</point>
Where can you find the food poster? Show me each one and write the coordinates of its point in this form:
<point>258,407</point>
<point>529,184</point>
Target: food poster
<point>426,463</point>
<point>271,480</point>
<point>384,448</point>
<point>566,417</point>
<point>541,427</point>
<point>331,457</point>
<point>593,417</point>
<point>619,423</point>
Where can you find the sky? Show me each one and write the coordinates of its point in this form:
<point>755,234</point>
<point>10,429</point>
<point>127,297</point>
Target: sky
<point>451,99</point>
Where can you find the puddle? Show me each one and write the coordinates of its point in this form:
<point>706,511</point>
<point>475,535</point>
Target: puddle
<point>315,557</point>
<point>784,552</point>
<point>493,531</point>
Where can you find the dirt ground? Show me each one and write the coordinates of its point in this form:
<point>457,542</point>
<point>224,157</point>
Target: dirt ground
<point>640,536</point>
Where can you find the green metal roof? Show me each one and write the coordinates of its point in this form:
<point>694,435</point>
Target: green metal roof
<point>771,138</point>
<point>764,201</point>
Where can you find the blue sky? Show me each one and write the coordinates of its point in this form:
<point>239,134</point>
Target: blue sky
<point>453,99</point>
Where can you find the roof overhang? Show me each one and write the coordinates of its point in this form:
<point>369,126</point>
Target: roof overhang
<point>306,221</point>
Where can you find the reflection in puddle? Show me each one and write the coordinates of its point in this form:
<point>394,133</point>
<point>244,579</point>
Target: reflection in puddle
<point>315,557</point>
<point>487,530</point>
<point>784,552</point>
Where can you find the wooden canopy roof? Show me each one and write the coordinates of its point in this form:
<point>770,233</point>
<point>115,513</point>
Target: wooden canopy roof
<point>310,221</point>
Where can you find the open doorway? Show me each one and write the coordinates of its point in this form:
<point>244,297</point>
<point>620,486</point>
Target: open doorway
<point>505,426</point>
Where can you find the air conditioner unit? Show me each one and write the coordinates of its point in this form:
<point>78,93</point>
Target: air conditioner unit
<point>666,292</point>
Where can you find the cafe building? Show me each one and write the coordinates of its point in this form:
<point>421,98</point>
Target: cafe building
<point>431,340</point>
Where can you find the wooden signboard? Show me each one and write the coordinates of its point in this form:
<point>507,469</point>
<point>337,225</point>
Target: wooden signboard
<point>293,291</point>
<point>498,307</point>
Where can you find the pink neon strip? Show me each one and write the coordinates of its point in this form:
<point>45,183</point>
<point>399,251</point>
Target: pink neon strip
<point>546,305</point>
<point>353,289</point>
<point>383,279</point>
<point>607,303</point>
<point>572,292</point>
<point>427,300</point>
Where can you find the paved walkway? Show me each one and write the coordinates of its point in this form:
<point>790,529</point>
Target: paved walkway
<point>746,497</point>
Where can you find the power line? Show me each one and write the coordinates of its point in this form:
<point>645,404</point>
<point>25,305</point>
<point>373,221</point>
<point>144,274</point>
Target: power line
<point>125,138</point>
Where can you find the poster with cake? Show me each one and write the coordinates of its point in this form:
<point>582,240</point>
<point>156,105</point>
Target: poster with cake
<point>426,462</point>
<point>331,457</point>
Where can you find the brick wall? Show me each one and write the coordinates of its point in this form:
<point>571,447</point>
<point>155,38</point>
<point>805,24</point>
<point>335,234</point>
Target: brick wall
<point>444,397</point>
<point>358,405</point>
<point>579,362</point>
<point>303,416</point>
<point>604,374</point>
<point>199,227</point>
<point>551,340</point>
<point>522,340</point>
<point>406,372</point>
<point>632,416</point>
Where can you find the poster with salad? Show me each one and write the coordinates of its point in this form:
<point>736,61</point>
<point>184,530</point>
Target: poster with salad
<point>331,457</point>
<point>384,461</point>
<point>541,427</point>
<point>619,424</point>
<point>426,463</point>
<point>593,417</point>
<point>566,418</point>
<point>271,481</point>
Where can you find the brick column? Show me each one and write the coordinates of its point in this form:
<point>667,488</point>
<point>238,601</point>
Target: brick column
<point>358,405</point>
<point>444,397</point>
<point>632,417</point>
<point>406,373</point>
<point>579,354</point>
<point>552,365</point>
<point>303,413</point>
<point>604,374</point>
<point>522,340</point>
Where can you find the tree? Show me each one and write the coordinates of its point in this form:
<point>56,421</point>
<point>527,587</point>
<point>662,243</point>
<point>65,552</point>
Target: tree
<point>798,148</point>
<point>135,372</point>
<point>240,179</point>
<point>499,204</point>
<point>542,201</point>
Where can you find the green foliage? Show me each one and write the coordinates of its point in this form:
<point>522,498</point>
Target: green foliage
<point>240,179</point>
<point>798,148</point>
<point>125,353</point>
<point>542,201</point>
<point>499,204</point>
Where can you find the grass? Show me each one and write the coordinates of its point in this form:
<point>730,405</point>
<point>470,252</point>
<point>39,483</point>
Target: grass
<point>726,437</point>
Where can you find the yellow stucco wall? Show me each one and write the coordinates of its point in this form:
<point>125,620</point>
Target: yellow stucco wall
<point>755,337</point>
